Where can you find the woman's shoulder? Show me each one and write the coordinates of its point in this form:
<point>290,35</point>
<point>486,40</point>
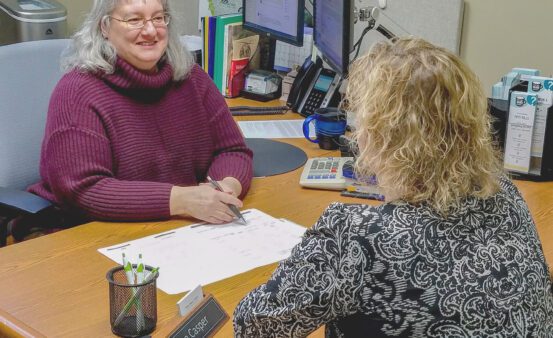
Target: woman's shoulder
<point>353,219</point>
<point>197,74</point>
<point>75,81</point>
<point>74,93</point>
<point>200,80</point>
<point>507,200</point>
<point>508,187</point>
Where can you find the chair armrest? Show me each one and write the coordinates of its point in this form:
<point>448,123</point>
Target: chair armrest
<point>22,201</point>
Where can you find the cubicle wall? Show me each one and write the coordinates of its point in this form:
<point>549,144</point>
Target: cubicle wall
<point>439,21</point>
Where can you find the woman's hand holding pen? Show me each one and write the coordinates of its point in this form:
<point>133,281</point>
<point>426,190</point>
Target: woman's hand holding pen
<point>230,185</point>
<point>204,202</point>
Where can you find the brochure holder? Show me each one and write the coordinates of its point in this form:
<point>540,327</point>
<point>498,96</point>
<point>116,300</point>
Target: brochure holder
<point>499,109</point>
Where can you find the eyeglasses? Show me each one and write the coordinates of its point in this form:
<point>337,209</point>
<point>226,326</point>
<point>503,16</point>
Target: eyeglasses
<point>160,20</point>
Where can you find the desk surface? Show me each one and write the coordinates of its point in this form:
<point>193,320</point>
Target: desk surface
<point>55,285</point>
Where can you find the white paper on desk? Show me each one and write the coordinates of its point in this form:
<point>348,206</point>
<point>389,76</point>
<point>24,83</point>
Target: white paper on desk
<point>274,129</point>
<point>204,254</point>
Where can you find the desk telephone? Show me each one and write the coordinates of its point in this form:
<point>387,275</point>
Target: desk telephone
<point>326,173</point>
<point>314,87</point>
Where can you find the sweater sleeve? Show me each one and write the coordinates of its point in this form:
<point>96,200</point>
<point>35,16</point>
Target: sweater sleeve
<point>320,282</point>
<point>231,156</point>
<point>79,171</point>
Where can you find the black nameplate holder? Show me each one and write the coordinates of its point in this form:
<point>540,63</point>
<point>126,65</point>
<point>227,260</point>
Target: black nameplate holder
<point>204,321</point>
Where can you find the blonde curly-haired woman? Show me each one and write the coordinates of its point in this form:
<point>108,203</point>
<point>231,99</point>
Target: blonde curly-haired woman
<point>453,252</point>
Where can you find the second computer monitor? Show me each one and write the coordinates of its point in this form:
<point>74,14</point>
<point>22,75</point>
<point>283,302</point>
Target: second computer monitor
<point>279,19</point>
<point>333,32</point>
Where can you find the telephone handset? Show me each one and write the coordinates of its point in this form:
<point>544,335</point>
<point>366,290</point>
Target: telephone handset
<point>305,75</point>
<point>314,87</point>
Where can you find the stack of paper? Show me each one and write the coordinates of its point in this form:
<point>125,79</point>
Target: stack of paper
<point>205,253</point>
<point>274,129</point>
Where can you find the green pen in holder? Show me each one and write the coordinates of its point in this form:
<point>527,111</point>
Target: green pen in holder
<point>133,307</point>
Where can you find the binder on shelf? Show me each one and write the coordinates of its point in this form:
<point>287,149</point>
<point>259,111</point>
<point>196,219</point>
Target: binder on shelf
<point>205,41</point>
<point>212,23</point>
<point>221,22</point>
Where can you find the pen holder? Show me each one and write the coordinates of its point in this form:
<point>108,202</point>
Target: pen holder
<point>132,307</point>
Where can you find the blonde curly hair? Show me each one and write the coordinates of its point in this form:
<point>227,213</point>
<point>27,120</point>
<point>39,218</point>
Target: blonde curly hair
<point>422,124</point>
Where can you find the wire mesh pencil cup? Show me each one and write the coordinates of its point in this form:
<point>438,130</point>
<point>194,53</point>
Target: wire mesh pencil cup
<point>132,307</point>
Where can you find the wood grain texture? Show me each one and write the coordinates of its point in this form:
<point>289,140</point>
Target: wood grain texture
<point>12,327</point>
<point>56,285</point>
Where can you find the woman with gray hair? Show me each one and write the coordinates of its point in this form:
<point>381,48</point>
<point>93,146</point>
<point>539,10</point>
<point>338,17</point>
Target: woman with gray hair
<point>134,126</point>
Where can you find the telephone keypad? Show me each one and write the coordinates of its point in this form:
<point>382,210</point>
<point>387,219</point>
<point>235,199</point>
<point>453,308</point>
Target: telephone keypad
<point>314,101</point>
<point>323,169</point>
<point>325,173</point>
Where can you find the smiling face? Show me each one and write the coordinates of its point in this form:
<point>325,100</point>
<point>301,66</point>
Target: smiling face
<point>141,47</point>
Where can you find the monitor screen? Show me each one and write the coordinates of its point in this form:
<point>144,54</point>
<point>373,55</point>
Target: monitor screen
<point>332,32</point>
<point>278,19</point>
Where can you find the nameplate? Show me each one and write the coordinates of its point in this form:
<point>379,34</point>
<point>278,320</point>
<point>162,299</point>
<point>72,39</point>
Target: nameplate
<point>190,301</point>
<point>204,321</point>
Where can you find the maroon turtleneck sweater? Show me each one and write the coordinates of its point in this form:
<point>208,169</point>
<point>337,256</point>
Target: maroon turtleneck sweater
<point>115,145</point>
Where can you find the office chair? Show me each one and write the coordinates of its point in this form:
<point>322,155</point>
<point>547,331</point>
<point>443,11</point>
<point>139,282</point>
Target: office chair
<point>29,71</point>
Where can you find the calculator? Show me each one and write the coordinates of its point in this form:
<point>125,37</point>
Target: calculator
<point>325,173</point>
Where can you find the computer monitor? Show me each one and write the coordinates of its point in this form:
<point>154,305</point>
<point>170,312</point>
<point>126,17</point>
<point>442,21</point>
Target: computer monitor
<point>279,19</point>
<point>333,32</point>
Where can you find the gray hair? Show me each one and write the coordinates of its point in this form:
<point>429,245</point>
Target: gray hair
<point>91,52</point>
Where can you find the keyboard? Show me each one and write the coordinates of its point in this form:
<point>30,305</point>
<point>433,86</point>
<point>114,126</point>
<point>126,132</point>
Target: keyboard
<point>250,110</point>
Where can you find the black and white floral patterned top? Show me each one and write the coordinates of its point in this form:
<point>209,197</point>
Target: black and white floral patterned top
<point>401,270</point>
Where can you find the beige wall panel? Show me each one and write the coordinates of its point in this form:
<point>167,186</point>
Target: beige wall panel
<point>501,34</point>
<point>76,13</point>
<point>187,10</point>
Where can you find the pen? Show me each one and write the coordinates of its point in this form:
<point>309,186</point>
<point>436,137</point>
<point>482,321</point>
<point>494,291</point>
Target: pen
<point>232,207</point>
<point>139,279</point>
<point>139,270</point>
<point>131,278</point>
<point>127,267</point>
<point>365,195</point>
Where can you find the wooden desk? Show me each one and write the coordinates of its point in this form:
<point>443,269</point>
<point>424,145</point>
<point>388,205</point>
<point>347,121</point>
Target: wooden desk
<point>56,286</point>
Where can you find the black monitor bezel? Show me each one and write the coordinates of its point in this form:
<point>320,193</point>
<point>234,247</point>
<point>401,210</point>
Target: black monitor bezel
<point>265,31</point>
<point>347,37</point>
